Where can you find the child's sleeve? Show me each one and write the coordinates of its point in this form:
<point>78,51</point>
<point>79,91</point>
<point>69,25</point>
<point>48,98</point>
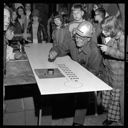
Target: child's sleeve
<point>118,52</point>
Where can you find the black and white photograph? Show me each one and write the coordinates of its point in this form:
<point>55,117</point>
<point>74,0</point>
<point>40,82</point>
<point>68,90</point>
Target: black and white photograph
<point>64,64</point>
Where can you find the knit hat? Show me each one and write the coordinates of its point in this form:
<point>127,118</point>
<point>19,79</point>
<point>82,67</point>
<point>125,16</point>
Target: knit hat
<point>36,13</point>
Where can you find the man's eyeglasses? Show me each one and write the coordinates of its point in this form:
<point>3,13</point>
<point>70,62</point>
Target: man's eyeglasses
<point>76,36</point>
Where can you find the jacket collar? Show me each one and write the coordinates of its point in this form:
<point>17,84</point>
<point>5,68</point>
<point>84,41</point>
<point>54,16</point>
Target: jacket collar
<point>118,35</point>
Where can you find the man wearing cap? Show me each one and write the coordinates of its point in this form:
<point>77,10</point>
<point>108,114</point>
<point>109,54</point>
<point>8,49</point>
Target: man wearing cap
<point>83,50</point>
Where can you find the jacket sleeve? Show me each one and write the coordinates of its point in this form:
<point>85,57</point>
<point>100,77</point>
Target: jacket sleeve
<point>29,30</point>
<point>48,27</point>
<point>118,52</point>
<point>14,29</point>
<point>63,48</point>
<point>53,37</point>
<point>45,35</point>
<point>95,65</point>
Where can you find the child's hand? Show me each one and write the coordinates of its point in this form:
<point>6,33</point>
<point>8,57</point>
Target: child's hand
<point>103,47</point>
<point>26,35</point>
<point>9,34</point>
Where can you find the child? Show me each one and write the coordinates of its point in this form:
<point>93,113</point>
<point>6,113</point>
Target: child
<point>99,17</point>
<point>59,32</point>
<point>36,29</point>
<point>113,69</point>
<point>28,15</point>
<point>77,13</point>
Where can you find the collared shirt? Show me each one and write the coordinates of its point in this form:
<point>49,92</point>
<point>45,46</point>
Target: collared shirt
<point>35,29</point>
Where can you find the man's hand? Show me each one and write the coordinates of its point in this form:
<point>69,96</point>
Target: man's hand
<point>52,55</point>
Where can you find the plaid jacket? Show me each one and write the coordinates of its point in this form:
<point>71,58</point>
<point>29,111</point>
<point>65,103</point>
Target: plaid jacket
<point>113,72</point>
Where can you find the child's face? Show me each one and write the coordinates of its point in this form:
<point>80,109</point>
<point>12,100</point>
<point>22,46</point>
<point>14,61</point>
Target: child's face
<point>97,17</point>
<point>35,18</point>
<point>57,21</point>
<point>20,11</point>
<point>14,15</point>
<point>77,14</point>
<point>95,7</point>
<point>105,32</point>
<point>28,7</point>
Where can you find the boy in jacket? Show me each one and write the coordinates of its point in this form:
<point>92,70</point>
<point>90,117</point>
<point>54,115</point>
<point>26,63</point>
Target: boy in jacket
<point>36,29</point>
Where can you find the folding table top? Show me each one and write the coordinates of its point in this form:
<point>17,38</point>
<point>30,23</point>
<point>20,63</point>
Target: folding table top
<point>74,78</point>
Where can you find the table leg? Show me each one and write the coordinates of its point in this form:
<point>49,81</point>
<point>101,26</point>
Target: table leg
<point>96,114</point>
<point>40,117</point>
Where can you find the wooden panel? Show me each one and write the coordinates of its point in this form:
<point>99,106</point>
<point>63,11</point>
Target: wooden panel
<point>19,73</point>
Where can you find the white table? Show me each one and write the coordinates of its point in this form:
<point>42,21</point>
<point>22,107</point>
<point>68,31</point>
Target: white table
<point>77,78</point>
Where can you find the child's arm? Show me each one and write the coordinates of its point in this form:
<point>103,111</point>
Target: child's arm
<point>117,52</point>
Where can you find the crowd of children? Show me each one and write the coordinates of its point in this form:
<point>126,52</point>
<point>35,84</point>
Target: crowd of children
<point>95,40</point>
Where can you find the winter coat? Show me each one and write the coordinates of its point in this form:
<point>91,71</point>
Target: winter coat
<point>113,62</point>
<point>41,33</point>
<point>4,55</point>
<point>17,29</point>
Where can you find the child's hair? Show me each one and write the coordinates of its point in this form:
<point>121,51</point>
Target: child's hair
<point>77,6</point>
<point>111,24</point>
<point>60,17</point>
<point>36,13</point>
<point>101,11</point>
<point>99,5</point>
<point>18,9</point>
<point>65,18</point>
